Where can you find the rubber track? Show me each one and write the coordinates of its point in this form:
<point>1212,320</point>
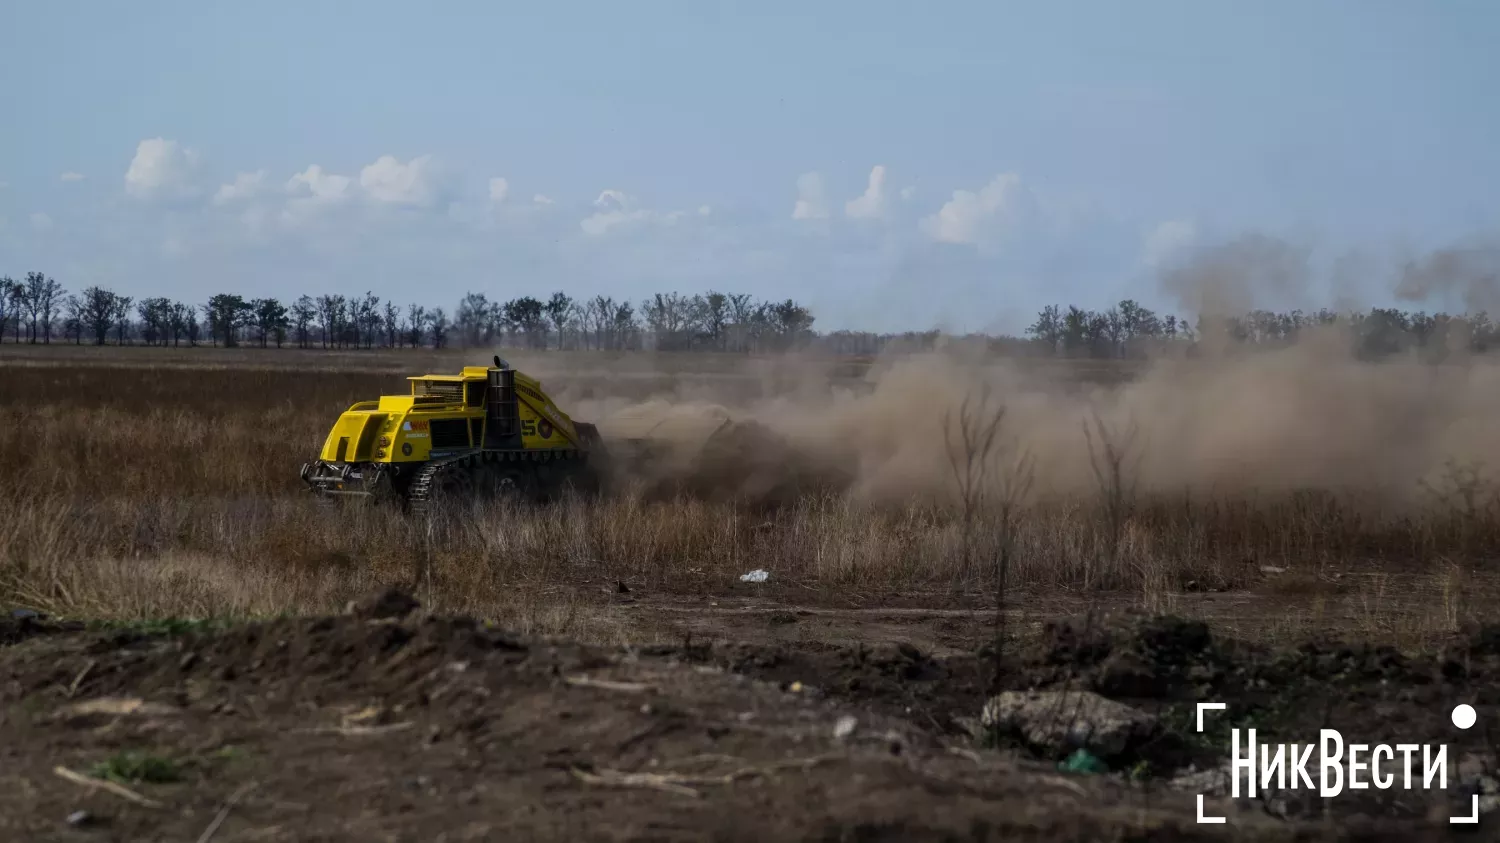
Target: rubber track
<point>419,494</point>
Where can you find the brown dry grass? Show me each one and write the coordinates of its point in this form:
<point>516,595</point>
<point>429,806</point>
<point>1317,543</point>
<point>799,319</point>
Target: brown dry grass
<point>137,492</point>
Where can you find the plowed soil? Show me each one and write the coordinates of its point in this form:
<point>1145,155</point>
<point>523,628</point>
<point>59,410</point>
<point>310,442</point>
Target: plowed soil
<point>387,723</point>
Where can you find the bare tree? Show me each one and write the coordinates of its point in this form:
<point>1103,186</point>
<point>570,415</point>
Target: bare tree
<point>668,317</point>
<point>559,309</point>
<point>365,313</point>
<point>270,317</point>
<point>73,319</point>
<point>437,323</point>
<point>121,318</point>
<point>604,313</point>
<point>183,321</point>
<point>390,324</point>
<point>97,312</point>
<point>416,322</point>
<point>303,312</point>
<point>474,320</point>
<point>741,312</point>
<point>9,304</point>
<point>156,319</point>
<point>715,318</point>
<point>330,314</point>
<point>40,298</point>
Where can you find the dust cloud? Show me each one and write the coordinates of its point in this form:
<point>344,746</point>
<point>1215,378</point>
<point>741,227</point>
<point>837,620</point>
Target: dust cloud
<point>1470,273</point>
<point>1229,421</point>
<point>1309,416</point>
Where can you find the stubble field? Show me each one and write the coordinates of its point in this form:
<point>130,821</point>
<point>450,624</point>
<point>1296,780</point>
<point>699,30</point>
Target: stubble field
<point>152,511</point>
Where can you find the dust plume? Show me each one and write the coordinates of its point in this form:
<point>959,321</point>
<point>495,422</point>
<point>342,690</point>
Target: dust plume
<point>1472,273</point>
<point>1309,416</point>
<point>1231,278</point>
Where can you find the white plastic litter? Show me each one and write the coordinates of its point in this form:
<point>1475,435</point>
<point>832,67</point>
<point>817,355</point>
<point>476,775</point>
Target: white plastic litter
<point>844,727</point>
<point>757,575</point>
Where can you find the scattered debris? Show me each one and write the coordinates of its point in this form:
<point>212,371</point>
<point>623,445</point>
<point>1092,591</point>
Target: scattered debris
<point>844,727</point>
<point>223,813</point>
<point>608,684</point>
<point>667,717</point>
<point>1083,761</point>
<point>78,679</point>
<point>356,731</point>
<point>1056,721</point>
<point>115,707</point>
<point>679,783</point>
<point>653,781</point>
<point>757,575</point>
<point>106,786</point>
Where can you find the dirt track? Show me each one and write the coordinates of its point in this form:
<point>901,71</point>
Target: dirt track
<point>379,726</point>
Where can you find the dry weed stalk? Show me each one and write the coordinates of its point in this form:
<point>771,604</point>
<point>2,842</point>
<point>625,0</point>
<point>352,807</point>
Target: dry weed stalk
<point>971,458</point>
<point>1115,461</point>
<point>1466,494</point>
<point>979,452</point>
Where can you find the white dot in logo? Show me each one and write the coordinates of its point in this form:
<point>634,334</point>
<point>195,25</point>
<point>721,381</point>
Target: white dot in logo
<point>1464,716</point>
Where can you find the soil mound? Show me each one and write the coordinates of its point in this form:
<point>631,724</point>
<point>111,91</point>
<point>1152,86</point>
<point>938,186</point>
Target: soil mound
<point>20,624</point>
<point>390,723</point>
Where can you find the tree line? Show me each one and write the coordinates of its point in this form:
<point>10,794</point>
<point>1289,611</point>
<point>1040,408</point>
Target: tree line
<point>37,309</point>
<point>1130,330</point>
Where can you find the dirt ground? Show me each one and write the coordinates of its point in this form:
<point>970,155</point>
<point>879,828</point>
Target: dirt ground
<point>389,723</point>
<point>838,701</point>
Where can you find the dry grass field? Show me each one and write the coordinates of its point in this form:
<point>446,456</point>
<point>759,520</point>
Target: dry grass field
<point>149,483</point>
<point>154,494</point>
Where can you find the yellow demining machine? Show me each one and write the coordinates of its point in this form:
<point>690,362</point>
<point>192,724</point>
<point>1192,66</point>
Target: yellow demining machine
<point>494,433</point>
<point>486,432</point>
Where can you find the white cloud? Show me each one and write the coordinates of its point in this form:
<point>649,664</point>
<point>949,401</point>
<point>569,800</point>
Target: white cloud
<point>811,204</point>
<point>317,185</point>
<point>617,209</point>
<point>40,221</point>
<point>1166,241</point>
<point>71,176</point>
<point>332,230</point>
<point>315,191</point>
<point>244,186</point>
<point>971,218</point>
<point>872,203</point>
<point>161,169</point>
<point>412,183</point>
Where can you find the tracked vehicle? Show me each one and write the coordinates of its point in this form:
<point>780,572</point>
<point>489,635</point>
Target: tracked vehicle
<point>487,432</point>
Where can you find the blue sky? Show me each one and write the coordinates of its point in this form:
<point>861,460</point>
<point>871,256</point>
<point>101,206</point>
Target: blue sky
<point>1009,154</point>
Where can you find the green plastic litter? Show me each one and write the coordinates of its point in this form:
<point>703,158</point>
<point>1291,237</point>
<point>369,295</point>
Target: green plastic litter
<point>1082,761</point>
